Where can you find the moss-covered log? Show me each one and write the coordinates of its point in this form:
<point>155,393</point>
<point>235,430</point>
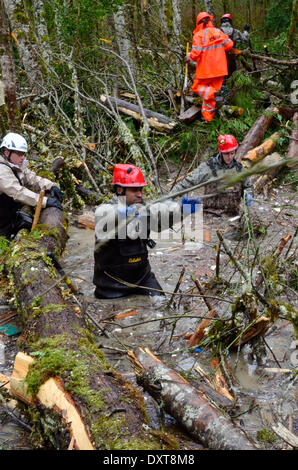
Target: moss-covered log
<point>65,357</point>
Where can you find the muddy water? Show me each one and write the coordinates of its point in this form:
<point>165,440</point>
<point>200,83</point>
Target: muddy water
<point>265,392</point>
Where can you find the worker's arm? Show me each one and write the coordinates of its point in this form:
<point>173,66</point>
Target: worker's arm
<point>242,37</point>
<point>196,48</point>
<point>201,174</point>
<point>10,185</point>
<point>227,42</point>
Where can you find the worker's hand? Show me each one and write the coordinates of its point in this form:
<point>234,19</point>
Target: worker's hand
<point>56,192</point>
<point>246,27</point>
<point>248,199</point>
<point>52,202</point>
<point>191,205</point>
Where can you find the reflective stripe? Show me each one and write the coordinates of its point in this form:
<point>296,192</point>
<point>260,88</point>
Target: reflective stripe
<point>206,94</point>
<point>206,31</point>
<point>208,48</point>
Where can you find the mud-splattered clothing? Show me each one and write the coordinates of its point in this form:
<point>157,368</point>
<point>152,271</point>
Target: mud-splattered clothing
<point>229,199</point>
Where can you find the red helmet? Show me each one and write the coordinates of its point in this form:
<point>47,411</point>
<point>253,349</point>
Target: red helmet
<point>227,143</point>
<point>228,16</point>
<point>128,175</point>
<point>203,15</point>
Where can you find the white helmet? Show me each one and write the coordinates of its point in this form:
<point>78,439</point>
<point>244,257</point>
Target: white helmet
<point>14,141</point>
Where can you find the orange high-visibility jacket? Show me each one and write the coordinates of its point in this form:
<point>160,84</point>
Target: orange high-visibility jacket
<point>208,50</point>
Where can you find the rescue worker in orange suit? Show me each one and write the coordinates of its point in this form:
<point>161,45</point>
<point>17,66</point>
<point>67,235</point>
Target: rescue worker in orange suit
<point>208,51</point>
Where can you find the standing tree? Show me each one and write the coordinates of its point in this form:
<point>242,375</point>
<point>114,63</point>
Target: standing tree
<point>8,78</point>
<point>293,25</point>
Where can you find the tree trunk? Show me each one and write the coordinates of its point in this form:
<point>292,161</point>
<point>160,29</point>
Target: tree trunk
<point>293,146</point>
<point>255,134</point>
<point>23,31</point>
<point>70,387</point>
<point>192,411</point>
<point>8,78</point>
<point>126,49</point>
<point>293,24</point>
<point>210,9</point>
<point>41,29</point>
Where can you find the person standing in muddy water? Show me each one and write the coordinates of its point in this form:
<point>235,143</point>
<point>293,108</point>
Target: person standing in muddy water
<point>224,162</point>
<point>122,237</point>
<point>18,185</point>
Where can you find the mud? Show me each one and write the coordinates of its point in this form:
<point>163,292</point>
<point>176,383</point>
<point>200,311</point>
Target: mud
<point>264,392</point>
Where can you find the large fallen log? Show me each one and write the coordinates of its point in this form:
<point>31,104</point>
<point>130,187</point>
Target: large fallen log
<point>258,153</point>
<point>72,392</point>
<point>155,120</point>
<point>256,133</point>
<point>187,405</point>
<point>293,146</point>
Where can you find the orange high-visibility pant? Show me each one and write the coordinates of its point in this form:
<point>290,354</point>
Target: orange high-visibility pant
<point>206,88</point>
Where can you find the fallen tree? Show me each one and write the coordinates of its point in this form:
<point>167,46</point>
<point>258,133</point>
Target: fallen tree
<point>188,406</point>
<point>155,120</point>
<point>256,133</point>
<point>72,393</point>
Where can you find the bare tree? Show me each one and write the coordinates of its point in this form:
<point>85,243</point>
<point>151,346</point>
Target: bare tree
<point>293,25</point>
<point>210,9</point>
<point>20,25</point>
<point>8,76</point>
<point>124,43</point>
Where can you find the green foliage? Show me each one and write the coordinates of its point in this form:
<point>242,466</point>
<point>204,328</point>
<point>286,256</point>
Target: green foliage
<point>278,16</point>
<point>78,22</point>
<point>4,244</point>
<point>266,436</point>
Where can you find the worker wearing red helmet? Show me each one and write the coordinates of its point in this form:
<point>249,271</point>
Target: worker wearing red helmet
<point>208,51</point>
<point>121,254</point>
<point>236,36</point>
<point>224,162</point>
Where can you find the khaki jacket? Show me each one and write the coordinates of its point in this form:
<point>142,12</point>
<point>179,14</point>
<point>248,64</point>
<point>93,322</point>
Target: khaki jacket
<point>10,185</point>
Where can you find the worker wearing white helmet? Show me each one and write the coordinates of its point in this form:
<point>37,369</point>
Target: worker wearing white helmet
<point>20,186</point>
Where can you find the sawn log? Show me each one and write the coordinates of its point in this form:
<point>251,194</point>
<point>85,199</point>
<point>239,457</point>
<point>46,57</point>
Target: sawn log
<point>188,406</point>
<point>73,393</point>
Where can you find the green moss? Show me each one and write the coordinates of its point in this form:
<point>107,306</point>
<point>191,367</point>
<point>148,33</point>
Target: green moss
<point>265,435</point>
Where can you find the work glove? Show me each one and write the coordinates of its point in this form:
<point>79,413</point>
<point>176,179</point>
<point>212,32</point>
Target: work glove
<point>56,192</point>
<point>52,202</point>
<point>248,199</point>
<point>191,205</point>
<point>246,27</point>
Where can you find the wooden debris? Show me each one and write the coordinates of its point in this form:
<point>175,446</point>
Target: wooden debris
<point>126,314</point>
<point>200,330</point>
<point>87,219</point>
<point>220,383</point>
<point>187,405</point>
<point>258,328</point>
<point>155,120</point>
<point>256,133</point>
<point>286,435</point>
<point>258,153</point>
<point>190,114</point>
<point>260,182</point>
